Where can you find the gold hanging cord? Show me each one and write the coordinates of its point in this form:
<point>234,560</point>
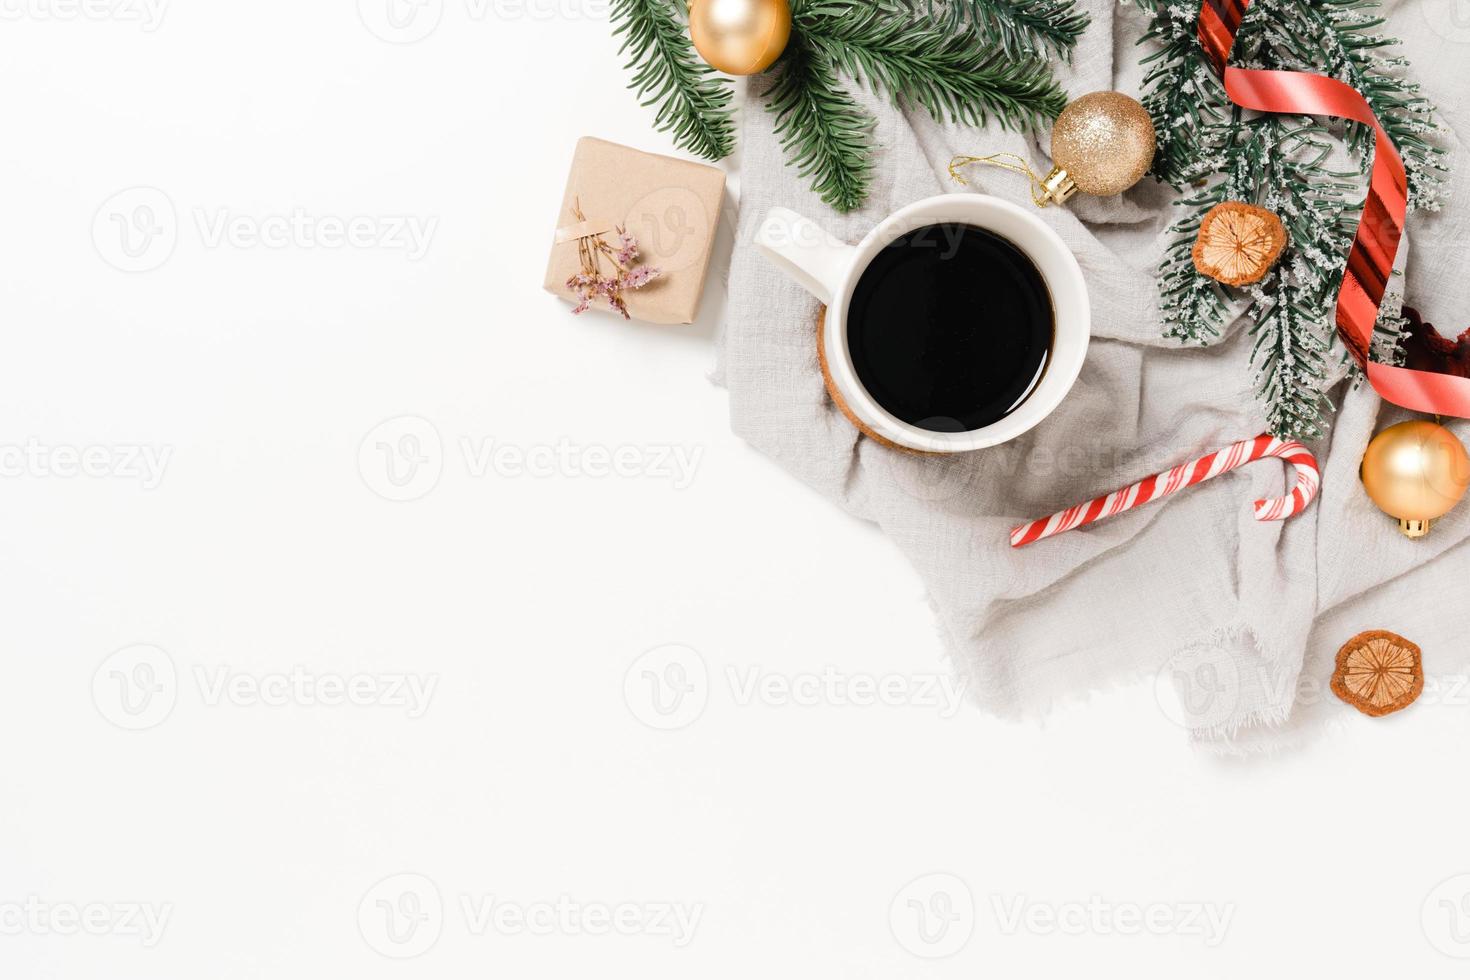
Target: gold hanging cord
<point>1055,188</point>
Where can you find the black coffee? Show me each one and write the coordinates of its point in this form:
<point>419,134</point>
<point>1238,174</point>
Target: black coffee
<point>950,328</point>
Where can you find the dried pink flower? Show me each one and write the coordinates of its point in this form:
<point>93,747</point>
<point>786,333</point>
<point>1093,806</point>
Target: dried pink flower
<point>627,248</point>
<point>639,277</point>
<point>591,282</point>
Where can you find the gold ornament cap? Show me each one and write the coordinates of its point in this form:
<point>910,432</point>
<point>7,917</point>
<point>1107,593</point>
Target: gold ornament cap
<point>1102,144</point>
<point>740,37</point>
<point>1058,186</point>
<point>1413,528</point>
<point>1415,472</point>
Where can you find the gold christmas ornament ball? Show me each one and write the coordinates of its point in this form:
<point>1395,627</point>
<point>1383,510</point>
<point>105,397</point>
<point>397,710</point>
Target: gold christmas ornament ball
<point>740,37</point>
<point>1416,471</point>
<point>1103,142</point>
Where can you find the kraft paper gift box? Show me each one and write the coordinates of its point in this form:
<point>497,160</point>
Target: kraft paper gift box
<point>671,206</point>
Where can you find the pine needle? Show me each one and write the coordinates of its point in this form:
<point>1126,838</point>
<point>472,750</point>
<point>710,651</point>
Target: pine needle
<point>1020,27</point>
<point>825,134</point>
<point>692,100</point>
<point>948,73</point>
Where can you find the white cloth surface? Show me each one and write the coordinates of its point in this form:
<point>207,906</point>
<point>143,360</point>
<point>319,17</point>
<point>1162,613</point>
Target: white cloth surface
<point>1243,618</point>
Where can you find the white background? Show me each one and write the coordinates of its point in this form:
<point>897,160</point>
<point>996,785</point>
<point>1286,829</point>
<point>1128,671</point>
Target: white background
<point>808,838</point>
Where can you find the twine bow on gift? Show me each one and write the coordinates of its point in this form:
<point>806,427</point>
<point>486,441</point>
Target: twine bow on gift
<point>592,248</point>
<point>582,229</point>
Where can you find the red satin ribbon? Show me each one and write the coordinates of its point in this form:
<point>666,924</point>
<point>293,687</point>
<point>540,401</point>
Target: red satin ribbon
<point>1377,240</point>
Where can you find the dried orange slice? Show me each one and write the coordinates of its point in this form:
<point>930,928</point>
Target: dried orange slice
<point>1378,673</point>
<point>1238,243</point>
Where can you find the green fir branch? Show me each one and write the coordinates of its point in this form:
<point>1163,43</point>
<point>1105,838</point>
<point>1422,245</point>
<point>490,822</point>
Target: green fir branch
<point>1021,28</point>
<point>951,74</point>
<point>826,135</point>
<point>948,73</point>
<point>1340,37</point>
<point>1218,152</point>
<point>1186,104</point>
<point>972,62</point>
<point>692,100</point>
<point>1290,354</point>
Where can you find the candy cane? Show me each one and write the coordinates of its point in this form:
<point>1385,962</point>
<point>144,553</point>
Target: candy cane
<point>1187,475</point>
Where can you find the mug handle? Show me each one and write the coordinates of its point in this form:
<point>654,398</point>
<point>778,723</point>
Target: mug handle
<point>805,252</point>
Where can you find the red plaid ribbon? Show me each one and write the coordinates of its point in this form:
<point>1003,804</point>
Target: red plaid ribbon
<point>1377,240</point>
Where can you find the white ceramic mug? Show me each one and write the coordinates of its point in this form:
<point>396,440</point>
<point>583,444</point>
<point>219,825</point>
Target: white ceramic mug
<point>830,270</point>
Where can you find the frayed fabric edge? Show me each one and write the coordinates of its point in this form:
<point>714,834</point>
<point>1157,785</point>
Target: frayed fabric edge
<point>1266,725</point>
<point>1042,701</point>
<point>1227,641</point>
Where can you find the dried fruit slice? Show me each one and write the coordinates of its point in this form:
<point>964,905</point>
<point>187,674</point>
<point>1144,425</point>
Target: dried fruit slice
<point>1238,243</point>
<point>1378,673</point>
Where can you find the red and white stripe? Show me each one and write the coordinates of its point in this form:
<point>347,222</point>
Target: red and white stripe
<point>1160,485</point>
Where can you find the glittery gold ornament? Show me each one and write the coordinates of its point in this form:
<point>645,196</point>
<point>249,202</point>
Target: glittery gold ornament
<point>740,37</point>
<point>1102,144</point>
<point>1416,472</point>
